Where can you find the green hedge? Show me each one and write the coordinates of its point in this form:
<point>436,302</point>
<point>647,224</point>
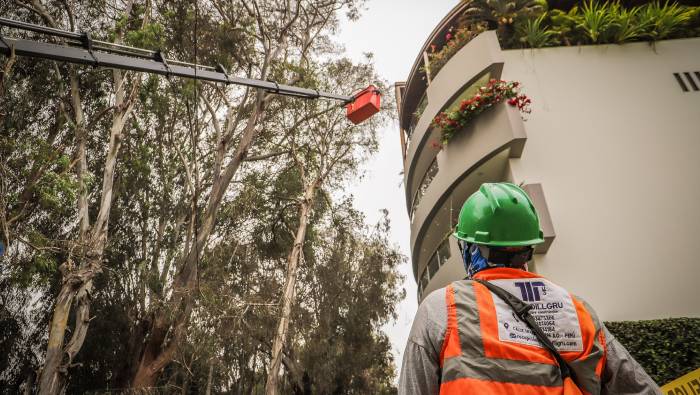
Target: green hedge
<point>667,349</point>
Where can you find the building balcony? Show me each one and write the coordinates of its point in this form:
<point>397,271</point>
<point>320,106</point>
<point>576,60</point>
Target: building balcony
<point>414,90</point>
<point>465,72</point>
<point>589,141</point>
<point>478,153</point>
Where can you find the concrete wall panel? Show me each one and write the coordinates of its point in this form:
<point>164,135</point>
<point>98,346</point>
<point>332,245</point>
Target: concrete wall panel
<point>615,142</point>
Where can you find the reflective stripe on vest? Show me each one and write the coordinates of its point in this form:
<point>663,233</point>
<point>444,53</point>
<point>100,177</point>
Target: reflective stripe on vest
<point>488,350</point>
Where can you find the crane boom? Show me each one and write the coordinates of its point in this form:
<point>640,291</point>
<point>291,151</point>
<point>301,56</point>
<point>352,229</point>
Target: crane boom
<point>80,48</point>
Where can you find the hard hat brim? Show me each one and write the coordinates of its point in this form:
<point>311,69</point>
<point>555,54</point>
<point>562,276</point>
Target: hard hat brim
<point>500,243</point>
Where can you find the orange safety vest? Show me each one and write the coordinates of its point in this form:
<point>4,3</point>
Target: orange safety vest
<point>488,350</point>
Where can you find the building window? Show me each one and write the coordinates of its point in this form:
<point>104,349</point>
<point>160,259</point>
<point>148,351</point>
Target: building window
<point>422,104</point>
<point>424,280</point>
<point>424,184</point>
<point>444,251</point>
<point>439,257</point>
<point>433,265</point>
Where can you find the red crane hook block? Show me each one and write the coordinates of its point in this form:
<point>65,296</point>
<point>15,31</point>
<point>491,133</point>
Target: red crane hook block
<point>366,104</point>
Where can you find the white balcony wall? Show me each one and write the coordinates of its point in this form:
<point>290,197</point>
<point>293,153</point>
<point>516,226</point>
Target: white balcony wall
<point>615,143</point>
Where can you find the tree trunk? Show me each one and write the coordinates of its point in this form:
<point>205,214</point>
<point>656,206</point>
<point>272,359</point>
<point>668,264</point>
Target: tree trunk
<point>157,352</point>
<point>147,373</point>
<point>210,377</point>
<point>28,385</point>
<point>271,387</point>
<point>76,285</point>
<point>51,380</point>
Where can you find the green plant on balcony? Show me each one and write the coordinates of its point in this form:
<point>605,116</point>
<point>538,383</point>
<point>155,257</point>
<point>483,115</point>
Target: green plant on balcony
<point>628,25</point>
<point>564,24</point>
<point>422,104</point>
<point>501,15</point>
<point>495,92</point>
<point>666,21</point>
<point>535,34</point>
<point>530,24</point>
<point>598,21</point>
<point>455,39</point>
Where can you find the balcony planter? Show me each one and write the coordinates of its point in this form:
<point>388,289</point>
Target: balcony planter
<point>454,41</point>
<point>495,92</point>
<point>480,151</point>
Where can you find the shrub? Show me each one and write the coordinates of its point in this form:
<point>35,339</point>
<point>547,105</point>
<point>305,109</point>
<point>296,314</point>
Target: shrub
<point>667,349</point>
<point>598,21</point>
<point>534,34</point>
<point>665,21</point>
<point>629,26</point>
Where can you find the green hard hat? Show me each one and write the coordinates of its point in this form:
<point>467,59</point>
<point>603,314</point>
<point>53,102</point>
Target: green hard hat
<point>501,215</point>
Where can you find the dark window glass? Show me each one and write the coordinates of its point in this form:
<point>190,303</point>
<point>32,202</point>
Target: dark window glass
<point>433,265</point>
<point>424,184</point>
<point>444,251</point>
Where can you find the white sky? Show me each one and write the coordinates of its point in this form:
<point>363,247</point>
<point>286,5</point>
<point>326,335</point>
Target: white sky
<point>394,30</point>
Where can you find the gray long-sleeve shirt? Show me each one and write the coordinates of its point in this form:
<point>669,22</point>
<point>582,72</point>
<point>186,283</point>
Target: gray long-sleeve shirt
<point>420,370</point>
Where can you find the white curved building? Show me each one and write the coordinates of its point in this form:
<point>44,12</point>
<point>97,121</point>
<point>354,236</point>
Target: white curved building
<point>610,156</point>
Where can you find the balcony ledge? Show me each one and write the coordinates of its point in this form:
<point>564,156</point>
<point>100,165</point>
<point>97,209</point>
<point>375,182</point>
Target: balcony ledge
<point>481,55</point>
<point>497,130</point>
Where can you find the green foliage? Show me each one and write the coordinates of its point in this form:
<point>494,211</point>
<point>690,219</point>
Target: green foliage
<point>501,14</point>
<point>535,34</point>
<point>526,24</point>
<point>162,185</point>
<point>598,21</point>
<point>57,190</point>
<point>564,23</point>
<point>667,348</point>
<point>150,36</point>
<point>665,21</point>
<point>629,26</point>
<point>694,22</point>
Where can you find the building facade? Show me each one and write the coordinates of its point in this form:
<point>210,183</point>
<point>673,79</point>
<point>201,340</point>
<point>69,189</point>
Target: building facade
<point>609,155</point>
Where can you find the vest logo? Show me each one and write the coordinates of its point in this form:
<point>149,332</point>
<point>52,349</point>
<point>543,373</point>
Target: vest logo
<point>530,290</point>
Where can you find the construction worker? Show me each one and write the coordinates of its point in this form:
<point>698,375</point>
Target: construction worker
<point>472,338</point>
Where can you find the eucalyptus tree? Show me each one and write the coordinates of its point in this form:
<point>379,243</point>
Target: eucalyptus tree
<point>83,250</point>
<point>283,37</point>
<point>172,256</point>
<point>347,287</point>
<point>326,150</point>
<point>350,289</point>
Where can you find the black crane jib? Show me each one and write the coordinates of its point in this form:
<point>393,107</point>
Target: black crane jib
<point>80,48</point>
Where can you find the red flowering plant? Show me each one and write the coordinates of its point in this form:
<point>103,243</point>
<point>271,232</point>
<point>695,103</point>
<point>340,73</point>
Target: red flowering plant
<point>496,91</point>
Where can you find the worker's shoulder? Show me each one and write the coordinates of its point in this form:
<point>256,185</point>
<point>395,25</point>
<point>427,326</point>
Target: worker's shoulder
<point>433,307</point>
<point>436,301</point>
<point>433,299</point>
<point>589,308</point>
<point>430,322</point>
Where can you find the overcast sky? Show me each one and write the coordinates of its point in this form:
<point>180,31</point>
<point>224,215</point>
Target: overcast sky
<point>394,30</point>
